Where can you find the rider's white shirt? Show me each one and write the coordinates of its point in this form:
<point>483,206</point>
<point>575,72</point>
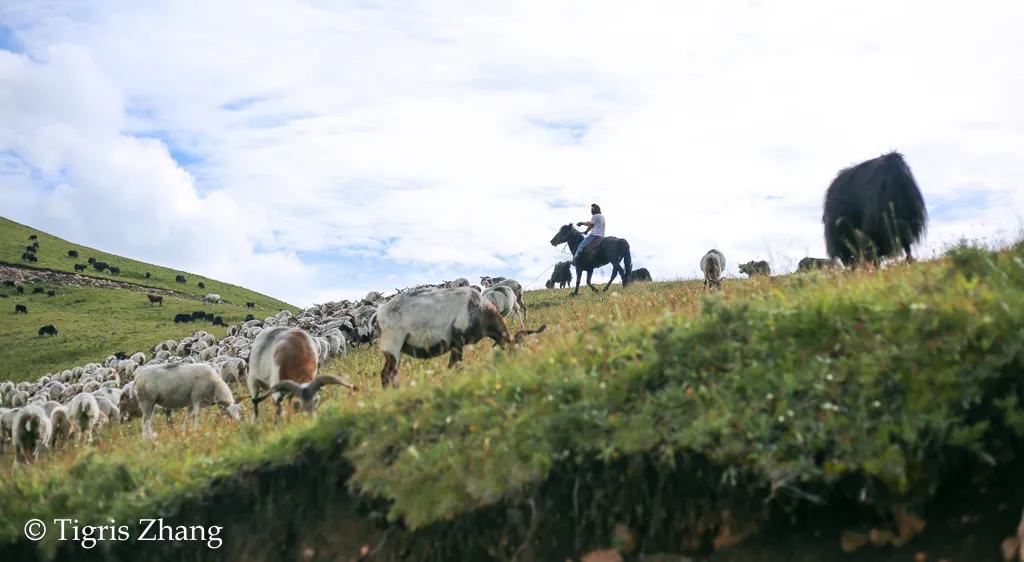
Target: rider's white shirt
<point>598,221</point>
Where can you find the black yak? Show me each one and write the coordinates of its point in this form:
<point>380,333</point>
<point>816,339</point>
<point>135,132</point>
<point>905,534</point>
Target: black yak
<point>561,276</point>
<point>49,329</point>
<point>872,209</point>
<point>72,254</point>
<point>641,276</point>
<point>182,318</point>
<point>810,263</point>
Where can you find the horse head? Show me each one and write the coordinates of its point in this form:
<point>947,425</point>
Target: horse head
<point>563,235</point>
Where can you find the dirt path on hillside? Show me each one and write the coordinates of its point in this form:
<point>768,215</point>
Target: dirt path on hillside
<point>21,275</point>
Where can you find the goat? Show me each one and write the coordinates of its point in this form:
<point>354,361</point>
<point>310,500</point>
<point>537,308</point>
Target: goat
<point>280,353</point>
<point>713,264</point>
<point>427,323</point>
<point>306,392</point>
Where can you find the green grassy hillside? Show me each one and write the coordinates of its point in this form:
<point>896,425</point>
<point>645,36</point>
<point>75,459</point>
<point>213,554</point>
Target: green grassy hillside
<point>94,322</point>
<point>652,412</point>
<point>53,254</point>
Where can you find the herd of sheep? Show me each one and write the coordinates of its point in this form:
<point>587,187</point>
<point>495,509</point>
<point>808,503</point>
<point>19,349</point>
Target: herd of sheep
<point>278,356</point>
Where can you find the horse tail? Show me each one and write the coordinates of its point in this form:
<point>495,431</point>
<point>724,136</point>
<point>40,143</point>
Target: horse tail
<point>627,260</point>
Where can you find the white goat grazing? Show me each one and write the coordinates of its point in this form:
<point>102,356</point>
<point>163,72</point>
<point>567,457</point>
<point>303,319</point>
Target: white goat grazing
<point>179,385</point>
<point>212,298</point>
<point>429,322</point>
<point>84,414</point>
<point>713,264</point>
<point>504,299</point>
<point>31,432</point>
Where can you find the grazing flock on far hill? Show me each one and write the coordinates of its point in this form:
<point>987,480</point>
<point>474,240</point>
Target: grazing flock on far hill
<point>871,211</point>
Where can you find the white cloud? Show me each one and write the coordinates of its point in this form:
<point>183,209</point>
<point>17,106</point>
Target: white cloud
<point>415,123</point>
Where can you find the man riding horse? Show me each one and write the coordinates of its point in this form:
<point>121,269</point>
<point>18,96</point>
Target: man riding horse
<point>594,231</point>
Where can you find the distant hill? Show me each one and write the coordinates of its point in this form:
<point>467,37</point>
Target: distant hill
<point>97,313</point>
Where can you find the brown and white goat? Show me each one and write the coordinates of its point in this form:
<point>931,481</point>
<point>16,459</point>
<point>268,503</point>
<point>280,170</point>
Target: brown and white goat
<point>280,354</point>
<point>428,322</point>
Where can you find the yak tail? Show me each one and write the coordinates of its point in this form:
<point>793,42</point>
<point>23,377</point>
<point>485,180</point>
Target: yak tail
<point>627,262</point>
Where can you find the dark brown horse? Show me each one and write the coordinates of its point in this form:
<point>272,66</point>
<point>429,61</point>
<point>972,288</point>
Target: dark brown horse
<point>601,252</point>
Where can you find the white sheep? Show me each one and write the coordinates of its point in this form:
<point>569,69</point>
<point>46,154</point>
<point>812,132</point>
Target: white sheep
<point>212,298</point>
<point>712,265</point>
<point>60,427</point>
<point>6,424</point>
<point>139,358</point>
<point>31,432</point>
<point>504,299</point>
<point>430,322</point>
<point>84,414</point>
<point>176,386</point>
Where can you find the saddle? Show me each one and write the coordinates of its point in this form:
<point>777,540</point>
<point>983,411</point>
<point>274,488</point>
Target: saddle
<point>593,246</point>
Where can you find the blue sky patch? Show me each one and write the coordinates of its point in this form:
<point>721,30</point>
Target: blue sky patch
<point>966,202</point>
<point>243,103</point>
<point>9,41</point>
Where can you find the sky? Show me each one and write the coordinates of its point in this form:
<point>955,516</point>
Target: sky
<point>317,150</point>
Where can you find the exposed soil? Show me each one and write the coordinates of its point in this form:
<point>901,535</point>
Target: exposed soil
<point>21,275</point>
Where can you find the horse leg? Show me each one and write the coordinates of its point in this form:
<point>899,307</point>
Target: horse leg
<point>590,273</point>
<point>579,274</point>
<point>615,271</point>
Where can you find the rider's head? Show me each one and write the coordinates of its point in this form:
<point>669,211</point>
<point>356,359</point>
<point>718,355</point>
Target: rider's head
<point>595,209</point>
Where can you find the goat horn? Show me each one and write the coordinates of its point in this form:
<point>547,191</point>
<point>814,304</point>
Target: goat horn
<point>330,379</point>
<point>289,387</point>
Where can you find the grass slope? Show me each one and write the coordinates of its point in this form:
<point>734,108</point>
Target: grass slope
<point>878,386</point>
<point>94,322</point>
<point>53,254</point>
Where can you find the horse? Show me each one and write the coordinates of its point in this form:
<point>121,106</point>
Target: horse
<point>603,251</point>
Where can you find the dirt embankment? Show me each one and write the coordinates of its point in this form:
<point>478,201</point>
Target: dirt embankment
<point>21,275</point>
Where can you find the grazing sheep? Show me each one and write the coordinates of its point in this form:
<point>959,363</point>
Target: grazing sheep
<point>504,299</point>
<point>7,424</point>
<point>460,282</point>
<point>280,353</point>
<point>30,434</point>
<point>19,399</point>
<point>84,414</point>
<point>233,370</point>
<point>139,357</point>
<point>517,289</point>
<point>429,322</point>
<point>753,268</point>
<point>174,386</point>
<point>107,407</point>
<point>810,263</point>
<point>306,392</point>
<point>713,264</point>
<point>872,209</point>
<point>212,298</point>
<point>60,426</point>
